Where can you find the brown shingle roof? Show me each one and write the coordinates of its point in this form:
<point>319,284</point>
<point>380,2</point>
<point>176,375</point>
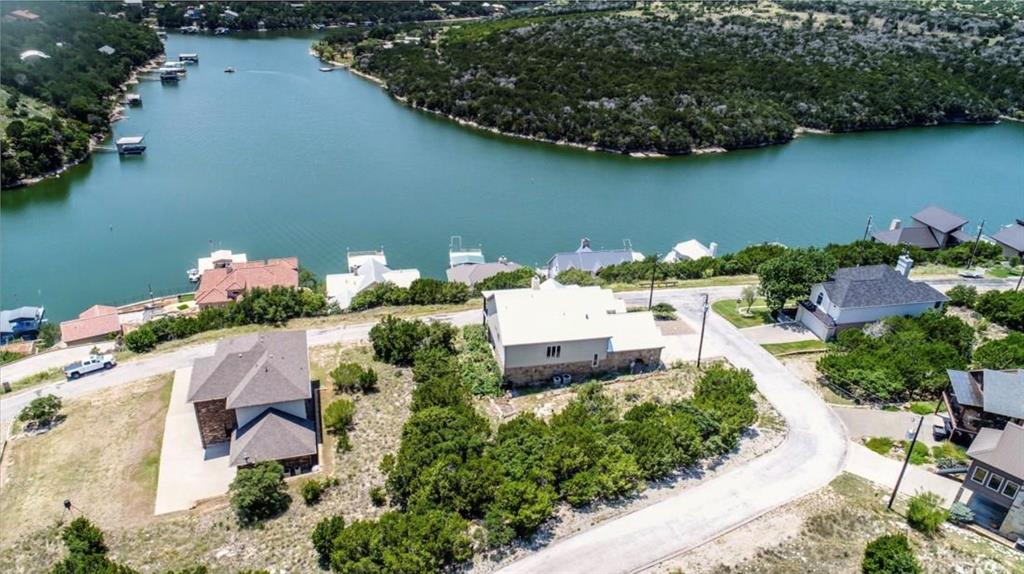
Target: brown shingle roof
<point>221,284</point>
<point>95,321</point>
<point>251,370</point>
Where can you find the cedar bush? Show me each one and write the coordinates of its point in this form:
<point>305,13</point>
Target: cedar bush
<point>890,554</point>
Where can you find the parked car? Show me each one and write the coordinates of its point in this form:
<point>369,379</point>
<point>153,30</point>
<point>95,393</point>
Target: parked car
<point>92,363</point>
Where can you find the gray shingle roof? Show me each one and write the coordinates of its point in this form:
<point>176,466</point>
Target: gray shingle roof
<point>875,286</point>
<point>273,435</point>
<point>251,370</point>
<point>472,273</point>
<point>1004,393</point>
<point>965,388</point>
<point>1000,449</point>
<point>589,261</point>
<point>1011,236</point>
<point>916,235</point>
<point>938,218</point>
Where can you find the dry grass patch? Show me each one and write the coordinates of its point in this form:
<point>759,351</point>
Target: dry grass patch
<point>103,458</point>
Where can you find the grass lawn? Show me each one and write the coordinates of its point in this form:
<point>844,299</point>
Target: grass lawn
<point>33,106</point>
<point>924,407</point>
<point>103,457</point>
<point>724,280</point>
<point>734,313</point>
<point>778,349</point>
<point>39,378</point>
<point>880,444</point>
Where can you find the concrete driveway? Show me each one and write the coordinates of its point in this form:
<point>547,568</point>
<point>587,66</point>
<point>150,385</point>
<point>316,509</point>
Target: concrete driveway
<point>188,473</point>
<point>884,471</point>
<point>865,422</point>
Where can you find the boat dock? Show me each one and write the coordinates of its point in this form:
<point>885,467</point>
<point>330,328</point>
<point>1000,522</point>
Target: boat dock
<point>130,145</point>
<point>188,58</point>
<point>133,100</point>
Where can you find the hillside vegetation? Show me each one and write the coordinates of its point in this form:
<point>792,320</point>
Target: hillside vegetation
<point>76,80</point>
<point>677,77</point>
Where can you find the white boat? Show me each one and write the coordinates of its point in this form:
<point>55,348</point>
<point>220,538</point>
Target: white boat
<point>458,255</point>
<point>193,275</point>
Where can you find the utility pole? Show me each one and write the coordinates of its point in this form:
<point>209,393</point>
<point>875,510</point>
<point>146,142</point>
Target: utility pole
<point>867,229</point>
<point>906,461</point>
<point>654,270</point>
<point>1017,288</point>
<point>977,240</point>
<point>703,321</point>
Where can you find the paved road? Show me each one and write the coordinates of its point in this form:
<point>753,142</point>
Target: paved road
<point>811,455</point>
<point>49,360</point>
<point>135,370</point>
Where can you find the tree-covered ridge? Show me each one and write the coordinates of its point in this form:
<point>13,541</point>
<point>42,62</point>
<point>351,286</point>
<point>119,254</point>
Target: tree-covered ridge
<point>75,78</point>
<point>713,75</point>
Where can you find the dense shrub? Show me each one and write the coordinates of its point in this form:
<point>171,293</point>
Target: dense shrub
<point>311,491</point>
<point>962,295</point>
<point>378,496</point>
<point>42,410</point>
<point>477,367</point>
<point>902,358</point>
<point>791,274</point>
<point>82,537</point>
<point>351,377</point>
<point>925,512</point>
<point>259,492</point>
<point>323,536</point>
<point>578,277</point>
<point>890,554</point>
<point>402,542</point>
<point>397,340</point>
<point>1005,353</point>
<point>423,291</point>
<point>338,415</point>
<point>518,279</point>
<point>1005,308</point>
<point>140,340</point>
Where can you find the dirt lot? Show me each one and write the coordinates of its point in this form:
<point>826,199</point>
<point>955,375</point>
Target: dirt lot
<point>103,458</point>
<point>826,532</point>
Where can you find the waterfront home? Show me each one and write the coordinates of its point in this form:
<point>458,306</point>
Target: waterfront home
<point>586,259</point>
<point>981,399</point>
<point>221,285</point>
<point>690,250</point>
<point>933,228</point>
<point>995,478</point>
<point>1011,239</point>
<point>255,393</point>
<point>97,323</point>
<point>21,323</point>
<point>540,333</point>
<point>855,296</point>
<point>366,268</point>
<point>220,259</point>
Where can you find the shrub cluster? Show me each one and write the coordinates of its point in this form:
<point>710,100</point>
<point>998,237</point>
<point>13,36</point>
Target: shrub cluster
<point>1004,308</point>
<point>42,410</point>
<point>900,358</point>
<point>477,366</point>
<point>423,291</point>
<point>925,512</point>
<point>518,279</point>
<point>1005,353</point>
<point>451,467</point>
<point>272,306</point>
<point>351,377</point>
<point>338,419</point>
<point>890,554</point>
<point>396,341</point>
<point>259,492</point>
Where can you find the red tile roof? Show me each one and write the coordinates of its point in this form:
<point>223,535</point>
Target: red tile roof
<point>95,321</point>
<point>220,285</point>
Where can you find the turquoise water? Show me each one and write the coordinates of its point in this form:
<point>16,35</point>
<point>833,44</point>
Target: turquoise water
<point>280,159</point>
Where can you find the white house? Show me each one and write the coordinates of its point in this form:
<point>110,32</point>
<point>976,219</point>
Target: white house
<point>543,331</point>
<point>690,250</point>
<point>855,296</point>
<point>366,268</point>
<point>219,258</point>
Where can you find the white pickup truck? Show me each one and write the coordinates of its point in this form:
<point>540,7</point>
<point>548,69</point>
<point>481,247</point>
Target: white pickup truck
<point>92,363</point>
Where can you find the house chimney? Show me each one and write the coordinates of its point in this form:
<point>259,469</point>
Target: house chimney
<point>535,282</point>
<point>713,248</point>
<point>584,244</point>
<point>904,264</point>
<point>895,224</point>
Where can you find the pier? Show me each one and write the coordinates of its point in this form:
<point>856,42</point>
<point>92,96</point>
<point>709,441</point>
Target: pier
<point>131,145</point>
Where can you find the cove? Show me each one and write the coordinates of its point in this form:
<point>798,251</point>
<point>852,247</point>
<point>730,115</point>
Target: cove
<point>280,159</point>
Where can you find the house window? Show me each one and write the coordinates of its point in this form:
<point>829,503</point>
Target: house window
<point>995,482</point>
<point>980,474</point>
<point>821,297</point>
<point>938,304</point>
<point>1011,489</point>
<point>554,351</point>
<point>595,360</point>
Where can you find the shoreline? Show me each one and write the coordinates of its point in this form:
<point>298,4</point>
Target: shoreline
<point>116,114</point>
<point>798,132</point>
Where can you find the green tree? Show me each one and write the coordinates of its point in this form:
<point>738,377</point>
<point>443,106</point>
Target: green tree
<point>791,275</point>
<point>338,415</point>
<point>396,340</point>
<point>962,295</point>
<point>259,492</point>
<point>890,554</point>
<point>312,490</point>
<point>517,279</point>
<point>748,296</point>
<point>141,340</point>
<point>82,537</point>
<point>346,376</point>
<point>49,335</point>
<point>323,536</point>
<point>1005,353</point>
<point>577,277</point>
<point>42,410</point>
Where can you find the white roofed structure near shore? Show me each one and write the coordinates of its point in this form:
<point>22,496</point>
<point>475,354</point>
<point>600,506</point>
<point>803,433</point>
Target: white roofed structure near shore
<point>691,250</point>
<point>219,258</point>
<point>366,268</point>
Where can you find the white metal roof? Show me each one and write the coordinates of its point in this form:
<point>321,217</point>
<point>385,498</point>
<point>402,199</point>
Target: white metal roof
<point>219,256</point>
<point>130,140</point>
<point>690,249</point>
<point>573,313</point>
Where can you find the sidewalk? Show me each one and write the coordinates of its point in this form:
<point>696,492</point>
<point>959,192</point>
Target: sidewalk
<point>884,471</point>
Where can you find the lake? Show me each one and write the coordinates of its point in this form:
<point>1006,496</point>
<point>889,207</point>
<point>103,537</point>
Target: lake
<point>280,159</point>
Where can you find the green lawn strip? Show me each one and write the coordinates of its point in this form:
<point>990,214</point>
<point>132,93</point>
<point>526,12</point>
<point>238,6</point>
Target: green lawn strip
<point>880,444</point>
<point>779,349</point>
<point>924,407</point>
<point>42,377</point>
<point>731,311</point>
<point>721,281</point>
<point>149,469</point>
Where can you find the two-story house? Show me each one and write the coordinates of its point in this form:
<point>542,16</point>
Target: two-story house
<point>983,399</point>
<point>995,479</point>
<point>255,393</point>
<point>855,296</point>
<point>543,331</point>
<point>21,323</point>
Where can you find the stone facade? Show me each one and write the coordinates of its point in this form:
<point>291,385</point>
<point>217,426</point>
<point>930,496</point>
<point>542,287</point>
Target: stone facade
<point>637,361</point>
<point>216,421</point>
